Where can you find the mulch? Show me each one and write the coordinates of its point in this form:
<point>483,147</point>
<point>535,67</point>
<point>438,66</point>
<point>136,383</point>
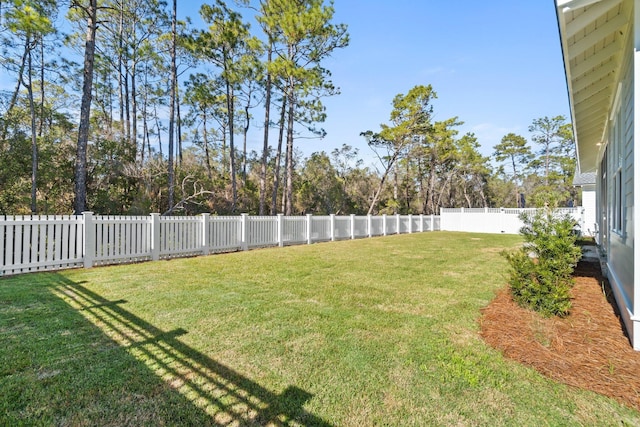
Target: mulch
<point>588,349</point>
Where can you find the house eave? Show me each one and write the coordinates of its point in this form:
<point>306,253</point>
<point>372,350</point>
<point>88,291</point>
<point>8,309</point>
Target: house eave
<point>592,34</point>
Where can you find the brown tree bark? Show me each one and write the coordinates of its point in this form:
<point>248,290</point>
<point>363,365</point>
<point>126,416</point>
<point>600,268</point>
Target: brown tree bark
<point>80,204</point>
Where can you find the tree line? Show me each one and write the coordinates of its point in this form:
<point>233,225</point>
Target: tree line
<point>121,108</point>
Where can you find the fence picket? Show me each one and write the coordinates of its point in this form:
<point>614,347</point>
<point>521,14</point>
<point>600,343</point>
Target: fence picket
<point>17,241</point>
<point>2,240</point>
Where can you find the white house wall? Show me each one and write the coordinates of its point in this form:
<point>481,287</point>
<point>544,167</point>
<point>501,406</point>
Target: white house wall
<point>617,220</point>
<point>601,51</point>
<point>589,206</point>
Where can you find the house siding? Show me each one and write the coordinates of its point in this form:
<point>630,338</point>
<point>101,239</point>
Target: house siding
<point>617,175</point>
<point>601,53</point>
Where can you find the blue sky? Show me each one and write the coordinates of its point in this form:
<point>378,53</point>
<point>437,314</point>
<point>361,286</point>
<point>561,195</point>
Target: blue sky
<point>496,64</point>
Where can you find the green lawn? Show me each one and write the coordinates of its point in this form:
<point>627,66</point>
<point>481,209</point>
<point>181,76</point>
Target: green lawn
<point>376,331</point>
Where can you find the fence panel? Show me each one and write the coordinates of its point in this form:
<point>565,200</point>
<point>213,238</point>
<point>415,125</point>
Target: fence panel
<point>180,236</point>
<point>376,226</point>
<point>486,220</point>
<point>360,226</point>
<point>342,227</point>
<point>225,233</point>
<point>120,239</point>
<point>262,231</point>
<point>320,228</point>
<point>295,229</point>
<point>405,224</point>
<point>39,243</point>
<point>391,224</point>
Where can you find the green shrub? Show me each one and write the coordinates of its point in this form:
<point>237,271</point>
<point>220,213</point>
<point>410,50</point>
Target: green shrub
<point>540,277</point>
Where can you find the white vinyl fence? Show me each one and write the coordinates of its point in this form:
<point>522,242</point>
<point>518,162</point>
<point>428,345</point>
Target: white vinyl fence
<point>496,220</point>
<point>38,243</point>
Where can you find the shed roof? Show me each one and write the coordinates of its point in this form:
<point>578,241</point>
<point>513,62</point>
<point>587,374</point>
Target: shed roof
<point>581,179</point>
<point>593,34</point>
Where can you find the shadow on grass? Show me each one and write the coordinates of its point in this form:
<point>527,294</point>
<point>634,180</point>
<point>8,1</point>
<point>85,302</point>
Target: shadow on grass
<point>190,386</point>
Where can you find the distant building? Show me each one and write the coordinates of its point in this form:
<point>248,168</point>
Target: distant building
<point>587,181</point>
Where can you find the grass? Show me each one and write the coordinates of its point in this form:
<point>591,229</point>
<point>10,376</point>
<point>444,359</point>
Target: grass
<point>368,332</point>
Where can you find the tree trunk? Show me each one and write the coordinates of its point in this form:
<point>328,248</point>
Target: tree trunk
<point>179,121</point>
<point>244,140</point>
<point>80,175</point>
<point>127,106</point>
<point>395,188</point>
<point>289,162</point>
<point>134,112</point>
<point>172,100</point>
<point>276,173</point>
<point>159,128</point>
<point>120,67</point>
<point>232,150</point>
<point>515,182</point>
<point>42,94</point>
<point>145,118</point>
<point>205,137</point>
<point>265,146</point>
<point>16,91</point>
<point>34,139</point>
<point>381,184</point>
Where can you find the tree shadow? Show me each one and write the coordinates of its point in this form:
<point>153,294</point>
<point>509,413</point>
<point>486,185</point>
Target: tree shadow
<point>218,394</point>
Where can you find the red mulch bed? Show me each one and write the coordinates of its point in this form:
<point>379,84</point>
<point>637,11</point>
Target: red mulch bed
<point>587,349</point>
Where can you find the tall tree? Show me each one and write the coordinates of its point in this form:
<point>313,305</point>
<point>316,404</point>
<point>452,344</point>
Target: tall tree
<point>471,172</point>
<point>270,28</point>
<point>226,44</point>
<point>172,105</point>
<point>202,99</point>
<point>90,10</point>
<point>306,37</point>
<point>439,151</point>
<point>410,122</point>
<point>547,133</point>
<point>320,189</point>
<point>556,159</point>
<point>515,150</point>
<point>31,22</point>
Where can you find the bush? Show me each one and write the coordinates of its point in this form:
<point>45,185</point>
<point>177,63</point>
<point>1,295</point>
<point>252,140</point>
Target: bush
<point>540,277</point>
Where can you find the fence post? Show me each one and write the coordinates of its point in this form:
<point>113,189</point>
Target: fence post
<point>155,236</point>
<point>421,228</point>
<point>384,224</point>
<point>410,223</point>
<point>432,223</point>
<point>309,219</point>
<point>89,233</point>
<point>397,223</point>
<point>244,245</point>
<point>205,233</point>
<point>332,226</point>
<point>280,230</point>
<point>369,232</point>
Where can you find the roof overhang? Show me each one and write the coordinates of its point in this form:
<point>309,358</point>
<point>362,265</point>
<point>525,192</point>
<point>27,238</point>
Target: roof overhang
<point>592,34</point>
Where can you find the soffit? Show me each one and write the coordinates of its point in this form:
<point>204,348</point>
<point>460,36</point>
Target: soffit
<point>592,33</point>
